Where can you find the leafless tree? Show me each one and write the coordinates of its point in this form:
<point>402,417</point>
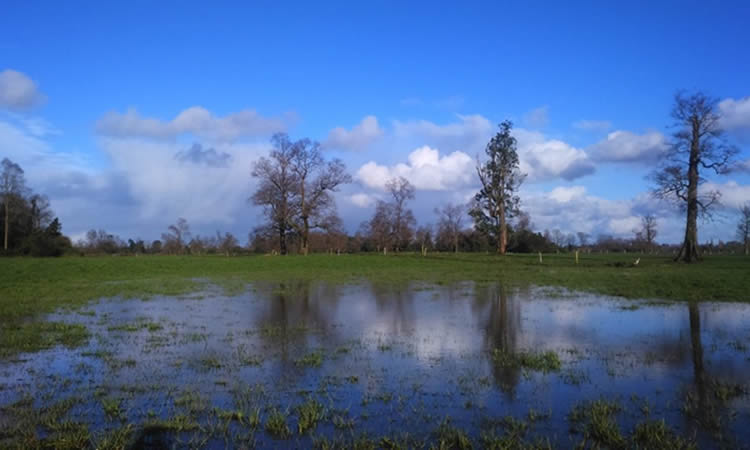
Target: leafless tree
<point>424,238</point>
<point>40,213</point>
<point>697,144</point>
<point>277,189</point>
<point>12,189</point>
<point>558,237</point>
<point>523,223</point>
<point>226,243</point>
<point>315,180</point>
<point>583,239</point>
<point>743,227</point>
<point>402,219</point>
<point>379,227</point>
<point>450,222</point>
<point>497,202</point>
<point>648,231</point>
<point>176,237</point>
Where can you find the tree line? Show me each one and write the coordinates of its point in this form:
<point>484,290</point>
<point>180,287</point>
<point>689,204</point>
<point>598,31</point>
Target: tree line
<point>296,184</point>
<point>697,145</point>
<point>28,224</point>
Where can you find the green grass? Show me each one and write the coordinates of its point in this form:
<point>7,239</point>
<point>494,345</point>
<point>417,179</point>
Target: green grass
<point>30,286</point>
<point>539,361</point>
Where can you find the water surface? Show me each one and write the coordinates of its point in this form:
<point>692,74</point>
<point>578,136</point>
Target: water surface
<point>392,361</point>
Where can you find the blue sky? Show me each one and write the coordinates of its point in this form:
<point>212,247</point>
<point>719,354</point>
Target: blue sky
<point>588,85</point>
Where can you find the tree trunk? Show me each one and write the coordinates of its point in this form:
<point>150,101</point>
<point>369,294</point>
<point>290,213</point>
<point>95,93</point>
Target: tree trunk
<point>5,240</point>
<point>747,246</point>
<point>282,241</point>
<point>689,250</point>
<point>455,243</point>
<point>305,245</point>
<point>503,238</point>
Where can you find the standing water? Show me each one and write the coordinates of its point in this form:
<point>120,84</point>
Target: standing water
<point>316,364</point>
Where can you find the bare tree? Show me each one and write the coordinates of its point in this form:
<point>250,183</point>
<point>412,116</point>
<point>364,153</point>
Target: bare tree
<point>40,213</point>
<point>743,227</point>
<point>315,180</point>
<point>226,243</point>
<point>12,188</point>
<point>497,202</point>
<point>402,219</point>
<point>176,237</point>
<point>523,223</point>
<point>277,189</point>
<point>450,222</point>
<point>379,227</point>
<point>424,237</point>
<point>648,231</point>
<point>697,144</point>
<point>583,239</point>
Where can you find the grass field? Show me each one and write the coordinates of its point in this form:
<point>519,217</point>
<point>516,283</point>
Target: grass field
<point>302,365</point>
<point>33,285</point>
<point>30,286</point>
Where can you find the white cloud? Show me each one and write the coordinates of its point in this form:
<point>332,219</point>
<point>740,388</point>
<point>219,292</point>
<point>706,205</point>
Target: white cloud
<point>470,132</point>
<point>624,226</point>
<point>361,136</point>
<point>194,120</point>
<point>18,91</point>
<point>542,158</point>
<point>624,146</point>
<point>593,125</point>
<point>735,114</point>
<point>362,200</point>
<point>572,209</point>
<point>562,194</point>
<point>425,169</point>
<point>537,117</point>
<point>166,186</point>
<point>733,194</point>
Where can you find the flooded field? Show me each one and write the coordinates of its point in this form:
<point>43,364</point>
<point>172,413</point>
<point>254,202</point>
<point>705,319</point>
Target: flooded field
<point>364,365</point>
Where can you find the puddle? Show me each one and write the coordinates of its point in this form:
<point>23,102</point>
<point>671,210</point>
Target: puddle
<point>344,362</point>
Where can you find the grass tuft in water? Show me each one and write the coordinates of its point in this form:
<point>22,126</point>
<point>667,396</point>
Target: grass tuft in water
<point>539,361</point>
<point>276,424</point>
<point>310,413</point>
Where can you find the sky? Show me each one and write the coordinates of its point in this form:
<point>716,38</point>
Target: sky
<point>128,115</point>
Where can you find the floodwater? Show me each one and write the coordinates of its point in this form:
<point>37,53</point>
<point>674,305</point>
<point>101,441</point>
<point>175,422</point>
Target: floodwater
<point>390,362</point>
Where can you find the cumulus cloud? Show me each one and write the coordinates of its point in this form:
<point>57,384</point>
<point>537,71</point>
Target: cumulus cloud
<point>735,114</point>
<point>733,194</point>
<point>195,120</point>
<point>572,209</point>
<point>166,187</point>
<point>543,159</point>
<point>18,91</point>
<point>627,147</point>
<point>469,133</point>
<point>537,117</point>
<point>425,169</point>
<point>362,200</point>
<point>361,136</point>
<point>593,125</point>
<point>196,154</point>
